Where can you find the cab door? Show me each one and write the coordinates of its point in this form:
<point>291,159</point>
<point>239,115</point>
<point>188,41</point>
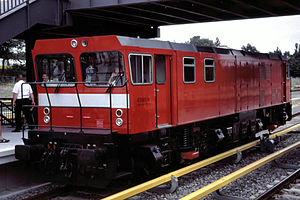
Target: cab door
<point>163,90</point>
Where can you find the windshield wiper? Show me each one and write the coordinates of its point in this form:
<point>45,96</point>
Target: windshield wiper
<point>114,82</point>
<point>59,84</point>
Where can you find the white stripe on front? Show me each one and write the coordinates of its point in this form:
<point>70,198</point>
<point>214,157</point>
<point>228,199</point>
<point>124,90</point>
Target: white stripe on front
<point>87,100</point>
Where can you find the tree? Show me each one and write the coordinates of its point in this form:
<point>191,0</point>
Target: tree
<point>217,42</point>
<point>250,48</point>
<point>197,41</point>
<point>278,51</point>
<point>11,50</point>
<point>295,62</point>
<point>285,55</point>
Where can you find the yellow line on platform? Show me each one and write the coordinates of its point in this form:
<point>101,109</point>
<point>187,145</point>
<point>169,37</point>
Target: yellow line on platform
<point>167,177</point>
<point>239,173</point>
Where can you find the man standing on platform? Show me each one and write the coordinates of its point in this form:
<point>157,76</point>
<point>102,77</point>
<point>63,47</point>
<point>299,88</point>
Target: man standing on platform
<point>22,95</point>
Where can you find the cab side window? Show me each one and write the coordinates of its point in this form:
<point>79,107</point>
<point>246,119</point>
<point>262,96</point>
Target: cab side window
<point>141,69</point>
<point>209,70</point>
<point>189,70</point>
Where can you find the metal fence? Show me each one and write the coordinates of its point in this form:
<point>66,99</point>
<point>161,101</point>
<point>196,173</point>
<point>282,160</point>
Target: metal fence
<point>7,112</point>
<point>8,5</point>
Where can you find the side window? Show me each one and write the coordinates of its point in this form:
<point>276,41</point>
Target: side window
<point>141,68</point>
<point>209,70</point>
<point>189,70</point>
<point>160,69</point>
<point>288,73</point>
<point>268,72</point>
<point>262,71</point>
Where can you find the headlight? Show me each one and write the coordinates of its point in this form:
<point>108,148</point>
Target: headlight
<point>119,122</point>
<point>74,43</point>
<point>119,113</point>
<point>46,119</point>
<point>46,111</point>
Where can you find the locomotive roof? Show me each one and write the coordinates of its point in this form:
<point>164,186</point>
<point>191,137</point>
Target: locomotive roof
<point>151,43</point>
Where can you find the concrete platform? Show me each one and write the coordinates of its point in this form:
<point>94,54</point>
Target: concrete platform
<point>7,150</point>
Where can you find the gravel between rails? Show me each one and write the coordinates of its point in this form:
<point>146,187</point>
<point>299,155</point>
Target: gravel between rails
<point>32,192</point>
<point>248,186</point>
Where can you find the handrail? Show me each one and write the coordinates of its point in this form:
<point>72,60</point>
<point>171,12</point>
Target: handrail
<point>80,107</point>
<point>6,111</point>
<point>9,6</point>
<point>48,98</point>
<point>110,108</point>
<point>70,85</point>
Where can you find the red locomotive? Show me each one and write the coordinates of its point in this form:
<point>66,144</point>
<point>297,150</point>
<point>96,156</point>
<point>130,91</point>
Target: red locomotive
<point>115,105</point>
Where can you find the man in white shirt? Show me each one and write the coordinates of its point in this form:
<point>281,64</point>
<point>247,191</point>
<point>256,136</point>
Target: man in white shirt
<point>22,95</point>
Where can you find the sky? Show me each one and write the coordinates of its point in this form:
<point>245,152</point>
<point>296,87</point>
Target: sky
<point>266,34</point>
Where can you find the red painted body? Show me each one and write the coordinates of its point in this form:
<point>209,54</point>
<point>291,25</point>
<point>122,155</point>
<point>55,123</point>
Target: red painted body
<point>241,83</point>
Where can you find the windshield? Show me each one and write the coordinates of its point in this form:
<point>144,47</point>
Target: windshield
<point>55,68</point>
<point>102,68</point>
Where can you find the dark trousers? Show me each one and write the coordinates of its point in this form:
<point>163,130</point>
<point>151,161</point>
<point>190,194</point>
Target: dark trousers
<point>26,111</point>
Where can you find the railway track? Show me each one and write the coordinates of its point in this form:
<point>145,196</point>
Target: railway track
<point>239,173</point>
<point>288,188</point>
<point>83,193</point>
<point>187,170</point>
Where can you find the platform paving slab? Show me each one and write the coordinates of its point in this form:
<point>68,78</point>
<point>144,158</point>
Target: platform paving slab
<point>7,150</point>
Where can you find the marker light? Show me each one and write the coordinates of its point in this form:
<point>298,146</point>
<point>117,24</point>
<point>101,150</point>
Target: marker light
<point>46,119</point>
<point>119,113</point>
<point>74,43</point>
<point>84,43</point>
<point>119,122</point>
<point>46,111</point>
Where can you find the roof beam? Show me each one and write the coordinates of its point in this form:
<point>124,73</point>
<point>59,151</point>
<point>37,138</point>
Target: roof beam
<point>187,11</point>
<point>255,7</point>
<point>291,6</point>
<point>218,9</point>
<point>162,14</point>
<point>93,16</point>
<point>138,16</point>
<point>60,34</point>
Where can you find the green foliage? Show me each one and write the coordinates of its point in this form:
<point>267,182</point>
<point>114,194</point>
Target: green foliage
<point>285,55</point>
<point>197,41</point>
<point>295,62</point>
<point>250,48</point>
<point>12,50</point>
<point>217,42</point>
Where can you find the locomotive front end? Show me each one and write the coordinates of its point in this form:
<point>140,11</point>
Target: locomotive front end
<point>82,107</point>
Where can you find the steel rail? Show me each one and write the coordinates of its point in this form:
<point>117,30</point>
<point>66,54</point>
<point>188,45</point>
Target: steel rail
<point>183,171</point>
<point>279,186</point>
<point>239,173</point>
